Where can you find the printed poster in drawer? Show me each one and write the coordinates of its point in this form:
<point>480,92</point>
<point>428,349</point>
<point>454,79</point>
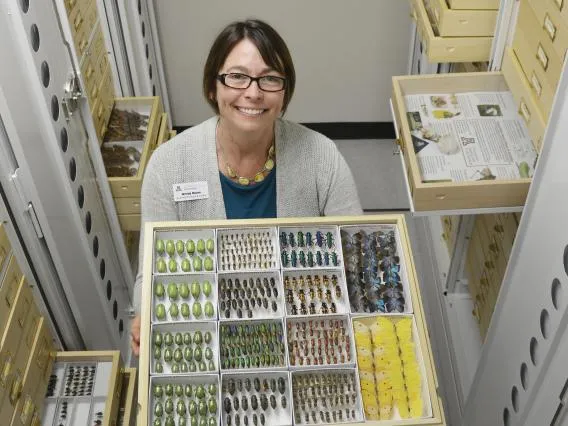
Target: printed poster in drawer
<point>469,137</point>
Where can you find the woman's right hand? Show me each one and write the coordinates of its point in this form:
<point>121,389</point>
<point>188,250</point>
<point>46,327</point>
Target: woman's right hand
<point>135,335</point>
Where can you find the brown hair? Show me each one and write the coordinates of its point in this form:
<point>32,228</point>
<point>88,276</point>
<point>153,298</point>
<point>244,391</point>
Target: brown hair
<point>271,46</point>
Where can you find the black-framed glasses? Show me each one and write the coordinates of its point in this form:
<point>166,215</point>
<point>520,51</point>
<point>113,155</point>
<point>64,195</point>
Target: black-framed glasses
<point>267,83</point>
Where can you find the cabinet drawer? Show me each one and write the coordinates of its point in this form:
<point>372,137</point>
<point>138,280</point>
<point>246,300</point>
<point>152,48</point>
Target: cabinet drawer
<point>551,21</point>
<point>113,373</point>
<point>534,47</point>
<point>524,96</point>
<point>452,195</point>
<point>448,49</point>
<point>130,187</point>
<point>9,289</point>
<point>474,4</point>
<point>36,377</point>
<point>5,246</point>
<point>540,86</point>
<point>129,222</point>
<point>88,74</point>
<point>127,205</point>
<point>463,23</point>
<point>14,354</point>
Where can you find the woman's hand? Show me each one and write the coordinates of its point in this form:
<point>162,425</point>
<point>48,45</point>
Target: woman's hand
<point>135,335</point>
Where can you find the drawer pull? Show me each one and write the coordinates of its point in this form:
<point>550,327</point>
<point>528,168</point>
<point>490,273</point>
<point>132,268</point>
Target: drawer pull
<point>90,72</point>
<point>525,111</point>
<point>450,49</point>
<point>549,27</point>
<point>100,111</point>
<point>78,21</point>
<point>5,372</point>
<point>136,204</point>
<point>535,84</point>
<point>463,21</point>
<point>560,4</point>
<point>542,56</point>
<point>82,46</point>
<point>440,196</point>
<point>94,92</point>
<point>16,390</point>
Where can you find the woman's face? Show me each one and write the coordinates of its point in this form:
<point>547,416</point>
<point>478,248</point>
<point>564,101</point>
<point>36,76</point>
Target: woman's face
<point>249,109</point>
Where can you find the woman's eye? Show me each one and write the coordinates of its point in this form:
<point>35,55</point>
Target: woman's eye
<point>271,79</point>
<point>237,76</point>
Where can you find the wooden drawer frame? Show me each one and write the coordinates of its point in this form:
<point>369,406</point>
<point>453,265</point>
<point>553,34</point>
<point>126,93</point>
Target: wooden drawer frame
<point>115,381</point>
<point>463,23</point>
<point>438,416</point>
<point>131,186</point>
<point>474,4</point>
<point>448,49</point>
<point>452,195</point>
<point>128,396</point>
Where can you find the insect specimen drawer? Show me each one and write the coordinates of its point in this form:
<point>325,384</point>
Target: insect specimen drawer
<point>284,321</point>
<point>132,131</point>
<point>84,389</point>
<point>433,140</point>
<point>447,49</point>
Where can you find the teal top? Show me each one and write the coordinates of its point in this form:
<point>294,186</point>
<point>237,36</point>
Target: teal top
<point>251,201</point>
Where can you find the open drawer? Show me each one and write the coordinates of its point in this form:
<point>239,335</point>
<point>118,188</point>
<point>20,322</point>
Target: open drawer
<point>463,194</point>
<point>448,49</point>
<point>150,111</point>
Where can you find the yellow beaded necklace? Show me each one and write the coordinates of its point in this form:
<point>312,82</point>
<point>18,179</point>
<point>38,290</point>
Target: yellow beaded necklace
<point>258,176</point>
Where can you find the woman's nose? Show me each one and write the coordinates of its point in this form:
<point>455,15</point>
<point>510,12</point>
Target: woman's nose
<point>253,91</point>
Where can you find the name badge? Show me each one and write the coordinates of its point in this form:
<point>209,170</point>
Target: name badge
<point>190,191</point>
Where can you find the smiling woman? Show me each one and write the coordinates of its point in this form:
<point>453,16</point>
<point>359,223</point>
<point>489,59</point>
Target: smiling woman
<point>246,161</point>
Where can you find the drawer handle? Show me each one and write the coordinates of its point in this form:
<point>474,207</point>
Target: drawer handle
<point>542,56</point>
<point>100,111</point>
<point>16,390</point>
<point>94,92</point>
<point>440,196</point>
<point>78,21</point>
<point>124,187</point>
<point>82,46</point>
<point>413,14</point>
<point>136,204</point>
<point>90,72</point>
<point>463,21</point>
<point>489,264</point>
<point>535,84</point>
<point>525,111</point>
<point>499,228</point>
<point>549,27</point>
<point>5,372</point>
<point>560,4</point>
<point>450,49</point>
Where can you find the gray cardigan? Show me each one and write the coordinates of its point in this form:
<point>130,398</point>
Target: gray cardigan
<point>312,179</point>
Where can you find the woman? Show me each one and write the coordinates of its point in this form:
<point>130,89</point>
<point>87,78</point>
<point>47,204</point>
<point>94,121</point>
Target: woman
<point>246,162</point>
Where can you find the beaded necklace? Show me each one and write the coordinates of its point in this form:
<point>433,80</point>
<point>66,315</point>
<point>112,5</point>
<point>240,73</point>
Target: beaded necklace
<point>258,176</point>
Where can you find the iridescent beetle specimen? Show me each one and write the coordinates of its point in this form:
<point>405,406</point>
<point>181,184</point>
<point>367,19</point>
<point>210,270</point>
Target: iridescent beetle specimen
<point>319,238</point>
<point>309,240</point>
<point>302,259</point>
<point>334,259</point>
<point>283,240</point>
<point>326,259</point>
<point>294,259</point>
<point>285,258</point>
<point>310,259</point>
<point>292,239</point>
<point>329,239</point>
<point>319,259</point>
<point>301,242</point>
